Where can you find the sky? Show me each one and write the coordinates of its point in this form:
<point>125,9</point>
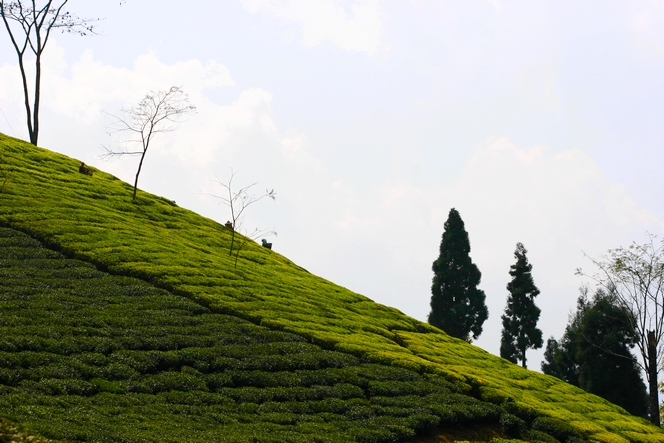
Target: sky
<point>540,122</point>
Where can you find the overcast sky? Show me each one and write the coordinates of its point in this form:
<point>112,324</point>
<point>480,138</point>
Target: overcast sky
<point>539,121</point>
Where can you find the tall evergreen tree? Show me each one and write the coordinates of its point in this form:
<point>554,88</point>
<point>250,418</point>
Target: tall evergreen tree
<point>457,305</point>
<point>520,331</point>
<point>549,365</point>
<point>594,353</point>
<point>560,361</point>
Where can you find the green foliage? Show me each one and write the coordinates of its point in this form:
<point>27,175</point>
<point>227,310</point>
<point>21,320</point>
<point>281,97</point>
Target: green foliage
<point>520,331</point>
<point>558,363</point>
<point>335,341</point>
<point>594,353</point>
<point>115,352</point>
<point>560,430</point>
<point>540,437</point>
<point>457,305</point>
<point>12,433</point>
<point>512,425</point>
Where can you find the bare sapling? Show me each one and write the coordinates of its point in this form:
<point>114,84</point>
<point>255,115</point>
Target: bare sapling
<point>157,113</point>
<point>238,201</point>
<point>253,235</point>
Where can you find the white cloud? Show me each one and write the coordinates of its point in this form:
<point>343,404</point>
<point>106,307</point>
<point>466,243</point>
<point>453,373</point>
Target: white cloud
<point>548,189</point>
<point>91,88</point>
<point>211,132</point>
<point>241,134</point>
<point>296,153</point>
<point>376,238</point>
<point>497,4</point>
<point>647,28</point>
<point>557,204</point>
<point>93,84</point>
<point>357,27</point>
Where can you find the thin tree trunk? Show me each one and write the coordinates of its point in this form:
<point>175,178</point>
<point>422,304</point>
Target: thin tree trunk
<point>26,96</point>
<point>653,393</point>
<point>35,110</point>
<point>20,53</point>
<point>523,358</point>
<point>238,249</point>
<point>140,165</point>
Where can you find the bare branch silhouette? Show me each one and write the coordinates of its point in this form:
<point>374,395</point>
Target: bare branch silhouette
<point>29,27</point>
<point>157,113</point>
<point>238,201</point>
<point>636,275</point>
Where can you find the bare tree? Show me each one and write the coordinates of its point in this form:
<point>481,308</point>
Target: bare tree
<point>253,235</point>
<point>156,113</point>
<point>29,27</point>
<point>636,276</point>
<point>238,202</point>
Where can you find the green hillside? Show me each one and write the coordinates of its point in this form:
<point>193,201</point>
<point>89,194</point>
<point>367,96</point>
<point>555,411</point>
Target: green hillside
<point>95,357</point>
<point>262,352</point>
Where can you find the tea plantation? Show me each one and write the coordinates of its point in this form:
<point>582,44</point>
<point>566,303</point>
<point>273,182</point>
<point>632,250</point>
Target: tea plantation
<point>124,321</point>
<point>93,357</point>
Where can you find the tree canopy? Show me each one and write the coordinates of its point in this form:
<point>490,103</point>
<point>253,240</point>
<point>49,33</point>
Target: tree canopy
<point>635,276</point>
<point>594,353</point>
<point>520,331</point>
<point>457,305</point>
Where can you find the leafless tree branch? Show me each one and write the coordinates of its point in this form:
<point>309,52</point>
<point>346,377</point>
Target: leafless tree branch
<point>636,275</point>
<point>30,26</point>
<point>238,201</point>
<point>157,113</point>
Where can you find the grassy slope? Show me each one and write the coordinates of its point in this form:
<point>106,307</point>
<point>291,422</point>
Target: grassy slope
<point>89,356</point>
<point>11,433</point>
<point>93,218</point>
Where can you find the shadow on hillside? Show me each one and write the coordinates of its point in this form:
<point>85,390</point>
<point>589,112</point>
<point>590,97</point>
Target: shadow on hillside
<point>466,433</point>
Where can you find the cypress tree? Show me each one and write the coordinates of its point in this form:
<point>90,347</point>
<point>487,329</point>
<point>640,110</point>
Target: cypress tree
<point>457,305</point>
<point>520,330</point>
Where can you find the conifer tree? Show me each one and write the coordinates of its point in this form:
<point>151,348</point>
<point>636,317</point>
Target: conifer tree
<point>595,353</point>
<point>457,305</point>
<point>520,330</point>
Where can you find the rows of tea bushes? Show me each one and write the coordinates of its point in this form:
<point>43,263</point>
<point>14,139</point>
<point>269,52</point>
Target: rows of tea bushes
<point>93,218</point>
<point>87,356</point>
<point>13,433</point>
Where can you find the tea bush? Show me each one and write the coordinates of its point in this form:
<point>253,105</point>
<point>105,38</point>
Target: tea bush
<point>93,219</point>
<point>114,359</point>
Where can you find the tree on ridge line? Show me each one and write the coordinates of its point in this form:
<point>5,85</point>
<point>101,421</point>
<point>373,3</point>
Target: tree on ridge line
<point>457,305</point>
<point>238,200</point>
<point>595,352</point>
<point>35,24</point>
<point>158,112</point>
<point>520,331</point>
<point>636,276</point>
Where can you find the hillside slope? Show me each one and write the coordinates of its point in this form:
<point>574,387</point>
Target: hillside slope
<point>93,219</point>
<point>89,356</point>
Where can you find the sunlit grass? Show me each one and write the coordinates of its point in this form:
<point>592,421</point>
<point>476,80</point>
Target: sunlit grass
<point>93,218</point>
<point>88,356</point>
